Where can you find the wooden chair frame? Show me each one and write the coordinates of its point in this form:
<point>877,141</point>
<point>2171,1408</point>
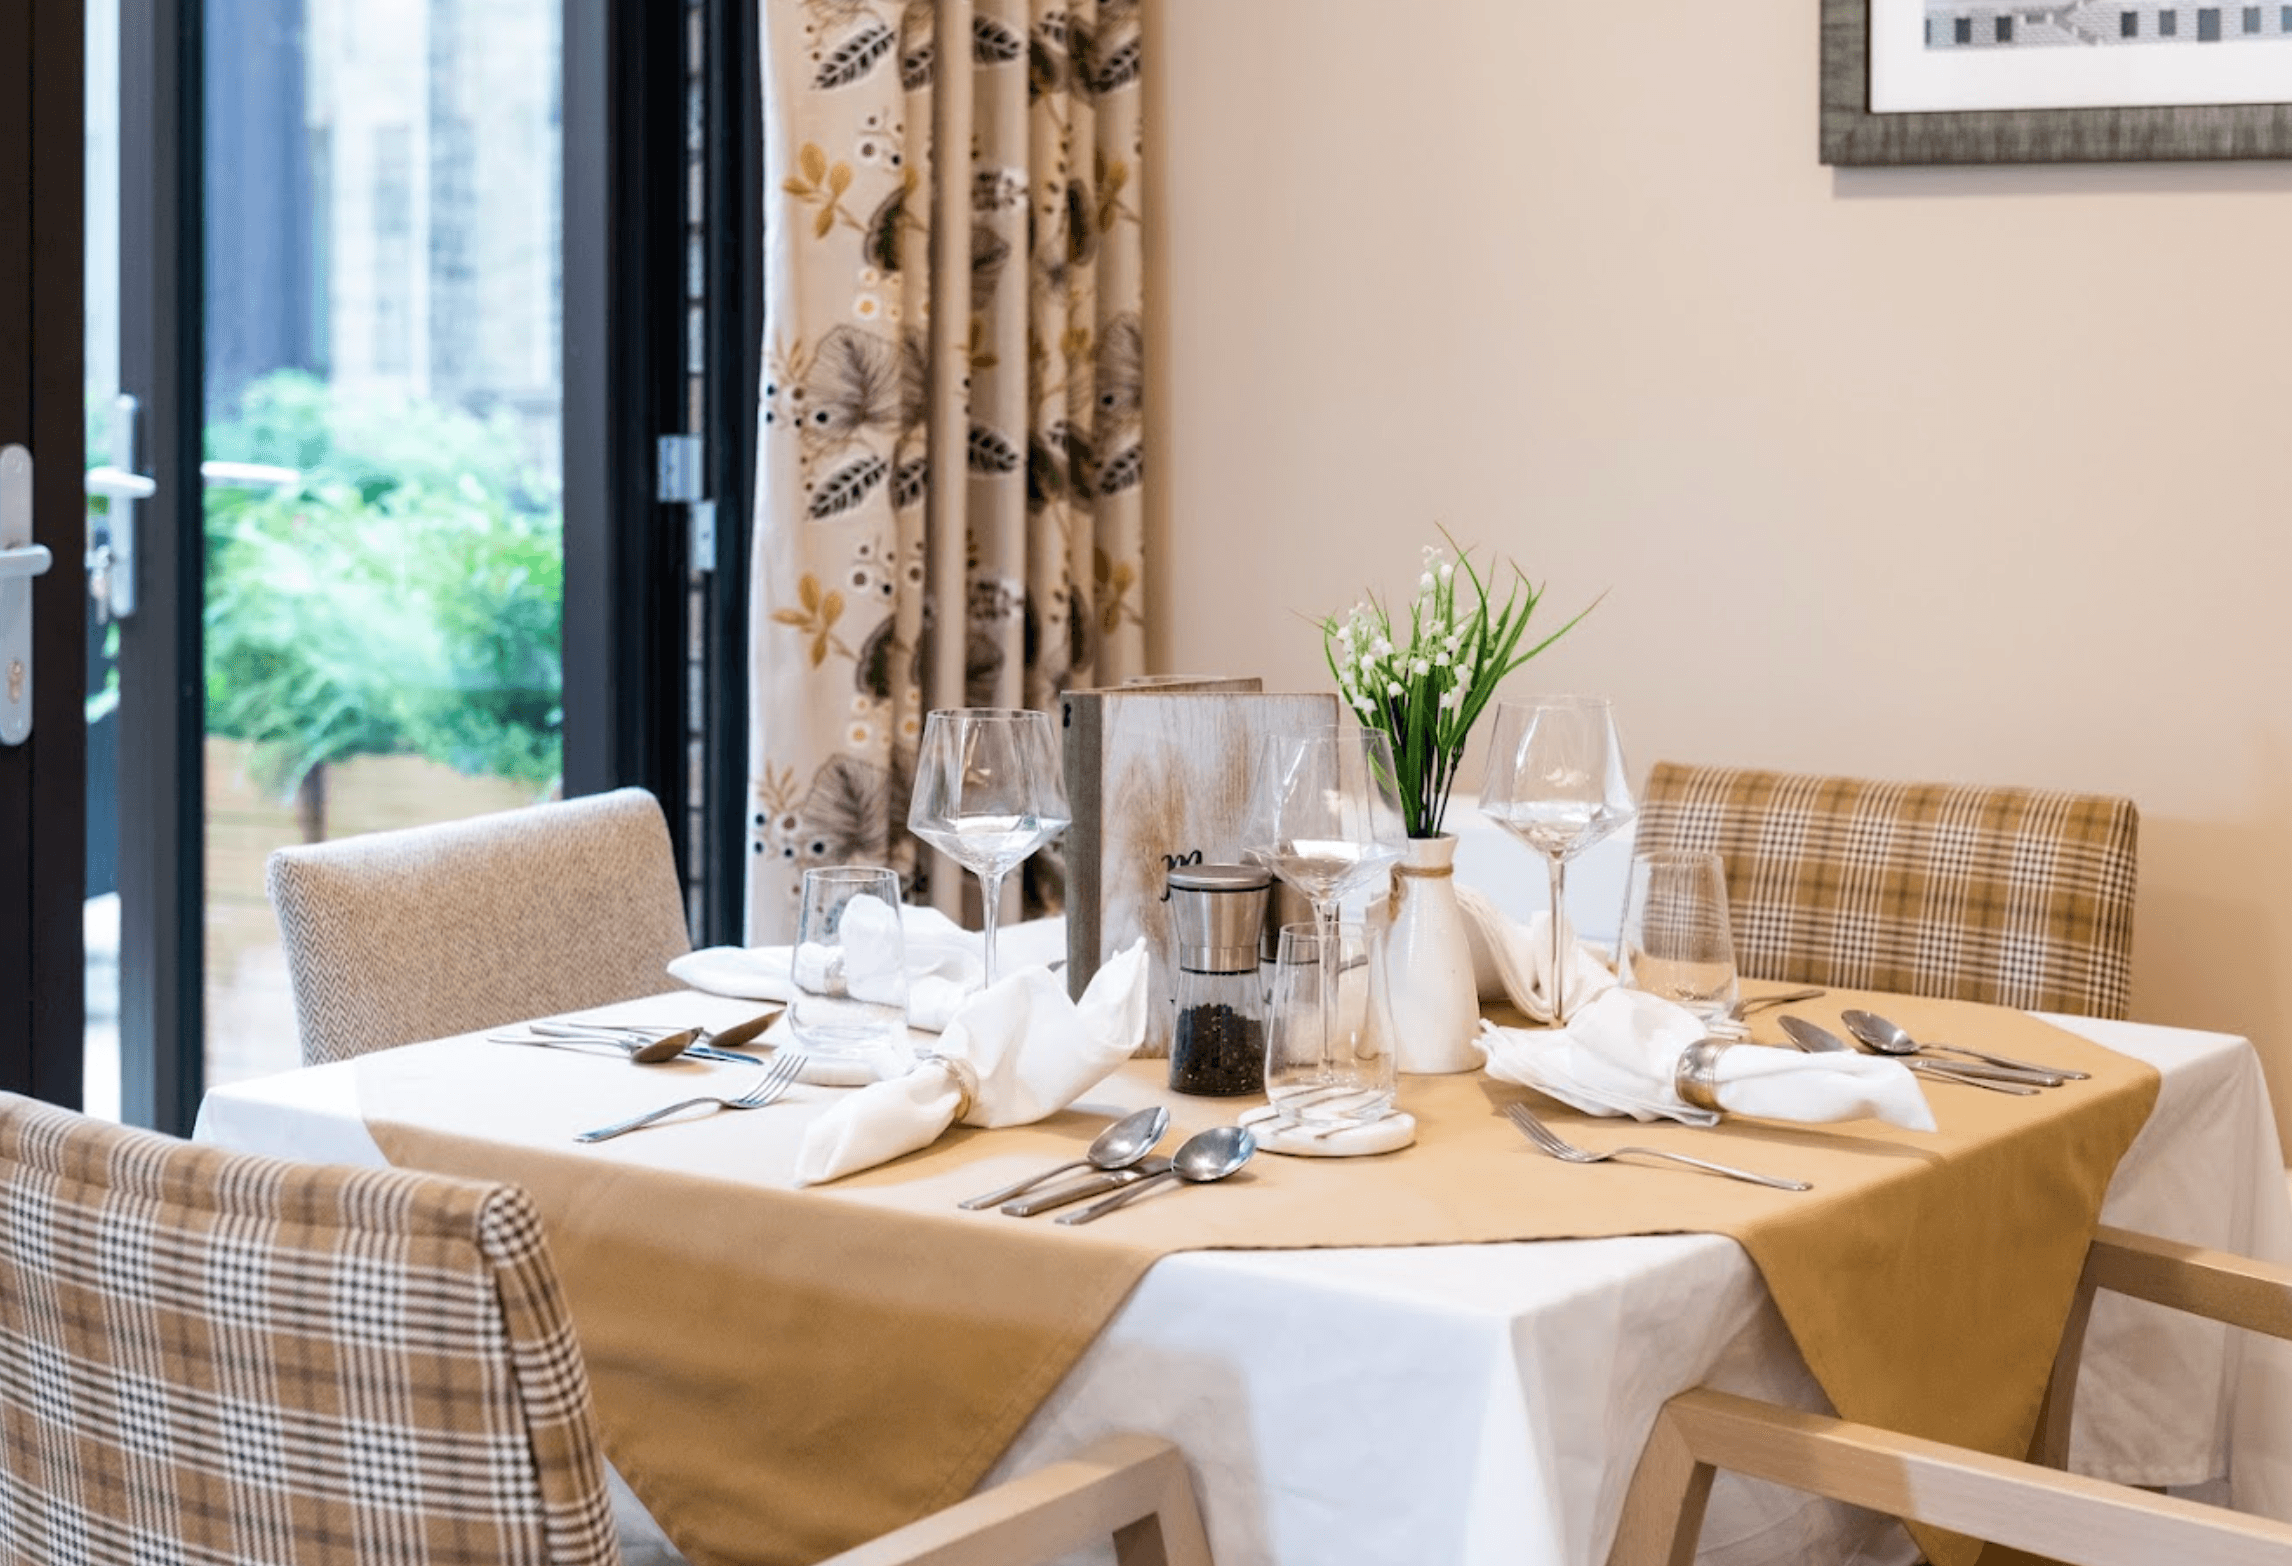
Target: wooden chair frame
<point>1134,1487</point>
<point>2025,1506</point>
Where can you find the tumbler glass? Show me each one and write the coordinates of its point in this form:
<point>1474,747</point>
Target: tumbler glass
<point>849,966</point>
<point>1350,1077</point>
<point>1677,942</point>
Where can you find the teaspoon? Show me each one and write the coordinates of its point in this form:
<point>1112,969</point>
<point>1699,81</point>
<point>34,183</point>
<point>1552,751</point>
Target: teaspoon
<point>1203,1157</point>
<point>740,1033</point>
<point>649,1053</point>
<point>1117,1147</point>
<point>1821,1041</point>
<point>1891,1038</point>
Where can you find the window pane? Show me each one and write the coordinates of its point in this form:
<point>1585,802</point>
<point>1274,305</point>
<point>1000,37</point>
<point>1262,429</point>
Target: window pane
<point>382,508</point>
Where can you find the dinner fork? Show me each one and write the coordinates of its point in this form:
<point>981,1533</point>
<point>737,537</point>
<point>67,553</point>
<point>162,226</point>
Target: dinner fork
<point>1550,1141</point>
<point>767,1089</point>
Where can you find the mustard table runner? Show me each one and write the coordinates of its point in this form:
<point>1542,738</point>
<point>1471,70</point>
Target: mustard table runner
<point>782,1373</point>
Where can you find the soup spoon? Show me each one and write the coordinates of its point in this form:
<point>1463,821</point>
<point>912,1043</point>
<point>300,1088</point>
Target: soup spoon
<point>1821,1041</point>
<point>1203,1157</point>
<point>1117,1147</point>
<point>1891,1038</point>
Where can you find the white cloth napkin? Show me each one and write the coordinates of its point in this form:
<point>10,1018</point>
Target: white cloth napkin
<point>1616,1057</point>
<point>1514,961</point>
<point>944,964</point>
<point>1010,1056</point>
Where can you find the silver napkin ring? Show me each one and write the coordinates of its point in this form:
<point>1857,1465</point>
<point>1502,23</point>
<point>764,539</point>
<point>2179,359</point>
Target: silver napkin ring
<point>965,1079</point>
<point>1696,1077</point>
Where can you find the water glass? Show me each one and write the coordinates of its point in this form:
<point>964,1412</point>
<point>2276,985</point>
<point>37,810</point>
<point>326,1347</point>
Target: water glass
<point>1347,1077</point>
<point>1676,940</point>
<point>849,967</point>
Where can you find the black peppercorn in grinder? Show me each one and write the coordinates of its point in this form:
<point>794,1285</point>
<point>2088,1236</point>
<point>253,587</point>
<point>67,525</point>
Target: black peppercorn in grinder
<point>1218,1044</point>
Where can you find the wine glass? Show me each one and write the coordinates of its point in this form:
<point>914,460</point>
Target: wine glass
<point>989,791</point>
<point>1556,781</point>
<point>1325,816</point>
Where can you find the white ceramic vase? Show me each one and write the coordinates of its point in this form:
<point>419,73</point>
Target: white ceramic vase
<point>1423,964</point>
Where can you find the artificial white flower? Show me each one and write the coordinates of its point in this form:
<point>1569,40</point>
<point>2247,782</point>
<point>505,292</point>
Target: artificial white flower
<point>1443,633</point>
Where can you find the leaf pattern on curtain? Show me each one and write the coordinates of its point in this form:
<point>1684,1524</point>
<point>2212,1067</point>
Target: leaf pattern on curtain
<point>1052,591</point>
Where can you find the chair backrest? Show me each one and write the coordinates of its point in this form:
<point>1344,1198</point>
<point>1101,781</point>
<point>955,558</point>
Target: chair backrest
<point>2019,897</point>
<point>210,1356</point>
<point>399,936</point>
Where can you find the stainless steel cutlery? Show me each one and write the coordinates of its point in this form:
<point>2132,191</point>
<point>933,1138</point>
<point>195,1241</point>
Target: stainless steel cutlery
<point>1552,1142</point>
<point>768,1089</point>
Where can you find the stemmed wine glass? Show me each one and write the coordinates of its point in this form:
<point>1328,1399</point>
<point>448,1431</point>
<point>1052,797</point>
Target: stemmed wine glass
<point>989,791</point>
<point>1556,781</point>
<point>1325,816</point>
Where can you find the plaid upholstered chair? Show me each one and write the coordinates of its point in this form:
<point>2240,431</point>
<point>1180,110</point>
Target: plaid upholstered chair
<point>2019,897</point>
<point>210,1356</point>
<point>399,936</point>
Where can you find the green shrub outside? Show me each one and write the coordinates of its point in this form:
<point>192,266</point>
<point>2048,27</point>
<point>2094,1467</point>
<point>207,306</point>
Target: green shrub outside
<point>406,596</point>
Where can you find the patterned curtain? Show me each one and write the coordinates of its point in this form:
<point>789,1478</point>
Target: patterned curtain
<point>948,487</point>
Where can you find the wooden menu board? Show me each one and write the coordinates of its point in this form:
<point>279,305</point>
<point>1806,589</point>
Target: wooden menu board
<point>1157,775</point>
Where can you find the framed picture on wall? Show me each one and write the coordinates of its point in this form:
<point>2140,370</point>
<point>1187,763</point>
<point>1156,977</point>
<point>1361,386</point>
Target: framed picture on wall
<point>2054,81</point>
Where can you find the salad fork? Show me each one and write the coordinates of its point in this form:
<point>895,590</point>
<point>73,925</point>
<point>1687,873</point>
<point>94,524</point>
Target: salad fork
<point>767,1089</point>
<point>1550,1141</point>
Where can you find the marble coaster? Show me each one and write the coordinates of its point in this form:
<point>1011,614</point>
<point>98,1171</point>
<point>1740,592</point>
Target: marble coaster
<point>835,1070</point>
<point>1396,1130</point>
<point>848,1070</point>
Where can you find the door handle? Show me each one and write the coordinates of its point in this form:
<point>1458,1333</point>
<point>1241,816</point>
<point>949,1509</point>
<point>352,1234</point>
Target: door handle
<point>20,561</point>
<point>111,566</point>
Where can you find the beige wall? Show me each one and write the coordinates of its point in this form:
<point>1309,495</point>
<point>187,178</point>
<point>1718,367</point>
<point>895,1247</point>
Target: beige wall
<point>1963,474</point>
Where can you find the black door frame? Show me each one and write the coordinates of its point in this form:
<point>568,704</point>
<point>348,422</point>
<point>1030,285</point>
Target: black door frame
<point>628,350</point>
<point>162,708</point>
<point>42,800</point>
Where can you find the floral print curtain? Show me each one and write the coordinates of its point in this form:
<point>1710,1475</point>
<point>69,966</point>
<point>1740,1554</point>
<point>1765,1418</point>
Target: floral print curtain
<point>1018,506</point>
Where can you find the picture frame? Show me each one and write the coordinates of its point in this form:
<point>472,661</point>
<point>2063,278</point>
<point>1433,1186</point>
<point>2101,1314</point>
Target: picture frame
<point>1852,136</point>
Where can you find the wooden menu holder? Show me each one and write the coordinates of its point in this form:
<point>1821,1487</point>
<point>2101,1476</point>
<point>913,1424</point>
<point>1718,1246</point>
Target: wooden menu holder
<point>1158,775</point>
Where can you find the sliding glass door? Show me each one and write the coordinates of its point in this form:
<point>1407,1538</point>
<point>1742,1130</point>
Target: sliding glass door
<point>351,342</point>
<point>368,538</point>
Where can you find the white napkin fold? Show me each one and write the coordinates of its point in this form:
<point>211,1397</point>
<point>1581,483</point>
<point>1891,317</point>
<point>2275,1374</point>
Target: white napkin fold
<point>1514,961</point>
<point>1616,1056</point>
<point>944,964</point>
<point>1010,1056</point>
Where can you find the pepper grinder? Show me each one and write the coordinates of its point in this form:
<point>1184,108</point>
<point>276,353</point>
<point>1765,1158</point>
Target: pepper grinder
<point>1218,1045</point>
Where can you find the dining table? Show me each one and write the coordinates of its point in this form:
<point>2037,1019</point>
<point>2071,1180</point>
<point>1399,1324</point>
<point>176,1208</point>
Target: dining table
<point>1486,1402</point>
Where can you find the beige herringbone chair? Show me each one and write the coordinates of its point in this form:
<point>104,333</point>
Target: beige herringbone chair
<point>210,1356</point>
<point>2018,897</point>
<point>400,936</point>
<point>2024,1506</point>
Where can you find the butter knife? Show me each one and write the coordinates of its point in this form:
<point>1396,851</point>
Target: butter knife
<point>1088,1186</point>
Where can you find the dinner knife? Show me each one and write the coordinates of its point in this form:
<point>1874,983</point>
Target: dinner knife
<point>1088,1186</point>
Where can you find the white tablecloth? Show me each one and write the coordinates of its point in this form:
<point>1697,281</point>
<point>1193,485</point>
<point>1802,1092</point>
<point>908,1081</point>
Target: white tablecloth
<point>1470,1404</point>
